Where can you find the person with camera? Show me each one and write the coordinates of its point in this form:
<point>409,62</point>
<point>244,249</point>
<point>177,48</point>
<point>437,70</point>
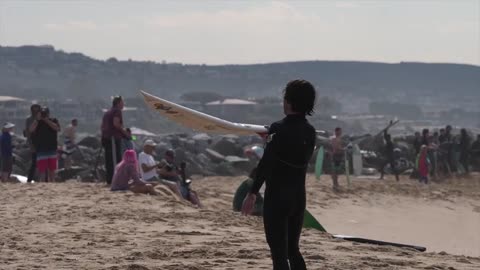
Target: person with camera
<point>171,173</point>
<point>112,135</point>
<point>34,109</point>
<point>44,131</point>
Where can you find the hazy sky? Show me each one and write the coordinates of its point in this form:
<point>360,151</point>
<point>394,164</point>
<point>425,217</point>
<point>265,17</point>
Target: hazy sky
<point>218,32</point>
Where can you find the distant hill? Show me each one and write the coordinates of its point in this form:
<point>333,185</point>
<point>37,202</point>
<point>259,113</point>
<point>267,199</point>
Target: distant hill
<point>42,71</point>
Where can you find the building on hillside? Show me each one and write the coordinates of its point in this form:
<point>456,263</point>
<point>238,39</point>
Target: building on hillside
<point>14,109</point>
<point>231,109</point>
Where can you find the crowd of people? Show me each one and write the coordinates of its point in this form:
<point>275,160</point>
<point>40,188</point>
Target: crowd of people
<point>438,155</point>
<point>125,171</point>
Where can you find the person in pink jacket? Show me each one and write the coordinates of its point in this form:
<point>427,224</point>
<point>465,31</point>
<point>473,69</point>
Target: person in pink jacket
<point>127,176</point>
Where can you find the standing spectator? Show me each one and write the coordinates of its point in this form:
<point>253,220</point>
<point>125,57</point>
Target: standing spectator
<point>44,136</point>
<point>337,155</point>
<point>417,143</point>
<point>435,138</point>
<point>69,142</point>
<point>475,152</point>
<point>464,149</point>
<point>423,164</point>
<point>425,137</point>
<point>34,110</point>
<point>127,143</point>
<point>442,138</point>
<point>450,149</point>
<point>389,157</point>
<point>7,151</point>
<point>112,135</point>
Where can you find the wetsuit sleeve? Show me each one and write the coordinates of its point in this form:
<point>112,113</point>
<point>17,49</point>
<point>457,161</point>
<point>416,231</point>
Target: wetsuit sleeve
<point>266,162</point>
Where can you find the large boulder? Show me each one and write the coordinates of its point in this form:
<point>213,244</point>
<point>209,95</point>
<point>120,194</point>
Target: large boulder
<point>228,147</point>
<point>91,142</point>
<point>214,156</point>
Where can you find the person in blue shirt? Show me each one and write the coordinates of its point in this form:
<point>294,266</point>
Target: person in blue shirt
<point>7,151</point>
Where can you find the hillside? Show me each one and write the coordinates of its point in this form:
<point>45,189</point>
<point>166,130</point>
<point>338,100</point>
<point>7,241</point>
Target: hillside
<point>43,71</point>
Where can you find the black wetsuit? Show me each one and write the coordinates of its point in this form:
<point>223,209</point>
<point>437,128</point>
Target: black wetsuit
<point>289,147</point>
<point>389,157</point>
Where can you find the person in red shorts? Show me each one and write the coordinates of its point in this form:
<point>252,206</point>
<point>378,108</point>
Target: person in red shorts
<point>44,137</point>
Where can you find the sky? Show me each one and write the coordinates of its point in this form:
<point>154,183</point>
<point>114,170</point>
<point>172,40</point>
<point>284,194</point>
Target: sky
<point>241,32</point>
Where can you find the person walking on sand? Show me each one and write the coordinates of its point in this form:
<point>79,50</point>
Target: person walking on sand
<point>289,147</point>
<point>112,135</point>
<point>337,154</point>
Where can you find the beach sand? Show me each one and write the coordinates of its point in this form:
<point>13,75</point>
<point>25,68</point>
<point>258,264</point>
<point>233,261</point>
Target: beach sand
<point>85,226</point>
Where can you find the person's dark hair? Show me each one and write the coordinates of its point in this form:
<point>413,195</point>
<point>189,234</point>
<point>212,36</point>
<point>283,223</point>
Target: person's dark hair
<point>45,111</point>
<point>301,95</point>
<point>116,100</point>
<point>128,130</point>
<point>435,134</point>
<point>35,106</point>
<point>338,129</point>
<point>448,128</point>
<point>463,132</point>
<point>170,153</point>
<point>425,131</point>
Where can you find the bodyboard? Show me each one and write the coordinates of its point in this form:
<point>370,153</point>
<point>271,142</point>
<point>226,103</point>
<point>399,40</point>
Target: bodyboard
<point>319,162</point>
<point>309,222</point>
<point>377,242</point>
<point>347,169</point>
<point>357,160</point>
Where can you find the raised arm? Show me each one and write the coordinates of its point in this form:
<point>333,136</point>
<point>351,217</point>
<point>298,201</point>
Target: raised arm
<point>266,162</point>
<point>53,124</point>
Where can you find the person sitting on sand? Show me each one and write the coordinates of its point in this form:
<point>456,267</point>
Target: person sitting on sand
<point>423,164</point>
<point>149,167</point>
<point>127,176</point>
<point>171,173</point>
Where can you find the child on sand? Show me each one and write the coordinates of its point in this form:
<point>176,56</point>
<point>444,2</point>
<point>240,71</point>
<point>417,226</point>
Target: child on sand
<point>423,164</point>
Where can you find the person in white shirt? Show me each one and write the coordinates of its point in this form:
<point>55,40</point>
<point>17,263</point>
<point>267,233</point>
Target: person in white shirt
<point>149,167</point>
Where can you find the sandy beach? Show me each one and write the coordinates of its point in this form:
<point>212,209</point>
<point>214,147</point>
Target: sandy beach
<point>85,226</point>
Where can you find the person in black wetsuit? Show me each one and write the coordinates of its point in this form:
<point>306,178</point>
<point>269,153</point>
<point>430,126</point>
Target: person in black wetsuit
<point>464,146</point>
<point>289,147</point>
<point>389,157</point>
